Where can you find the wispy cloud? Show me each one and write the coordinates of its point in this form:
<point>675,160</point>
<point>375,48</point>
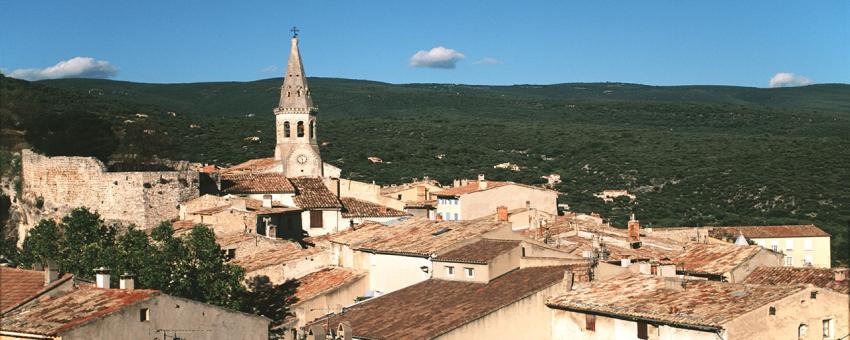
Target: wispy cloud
<point>77,67</point>
<point>437,57</point>
<point>785,79</point>
<point>488,61</point>
<point>269,69</point>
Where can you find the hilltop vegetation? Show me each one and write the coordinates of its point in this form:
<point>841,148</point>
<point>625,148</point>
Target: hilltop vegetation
<point>693,155</point>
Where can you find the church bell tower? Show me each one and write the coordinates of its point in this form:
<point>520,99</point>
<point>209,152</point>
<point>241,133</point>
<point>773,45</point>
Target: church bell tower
<point>295,120</point>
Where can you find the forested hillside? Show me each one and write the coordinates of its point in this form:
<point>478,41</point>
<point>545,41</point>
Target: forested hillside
<point>693,155</point>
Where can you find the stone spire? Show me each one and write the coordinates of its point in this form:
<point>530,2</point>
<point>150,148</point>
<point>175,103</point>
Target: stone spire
<point>295,96</point>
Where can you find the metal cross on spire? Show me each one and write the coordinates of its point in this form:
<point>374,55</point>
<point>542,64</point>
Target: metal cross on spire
<point>294,31</point>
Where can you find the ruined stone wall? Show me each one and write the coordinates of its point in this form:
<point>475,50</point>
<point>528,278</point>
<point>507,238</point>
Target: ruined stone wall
<point>141,198</point>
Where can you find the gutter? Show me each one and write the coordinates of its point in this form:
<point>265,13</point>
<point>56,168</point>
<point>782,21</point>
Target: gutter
<point>704,328</point>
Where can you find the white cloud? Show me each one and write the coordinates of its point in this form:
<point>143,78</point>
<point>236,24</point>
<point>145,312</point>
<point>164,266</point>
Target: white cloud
<point>77,67</point>
<point>785,79</point>
<point>269,69</point>
<point>437,57</point>
<point>488,61</point>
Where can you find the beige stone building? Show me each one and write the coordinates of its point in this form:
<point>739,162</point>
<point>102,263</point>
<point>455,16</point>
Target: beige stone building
<point>103,313</point>
<point>802,245</point>
<point>468,200</point>
<point>325,291</point>
<point>639,306</point>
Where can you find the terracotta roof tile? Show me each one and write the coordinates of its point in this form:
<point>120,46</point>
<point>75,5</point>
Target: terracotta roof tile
<point>481,252</point>
<point>19,285</point>
<point>311,193</point>
<point>819,277</point>
<point>279,255</point>
<point>470,188</point>
<point>715,259</point>
<point>702,303</point>
<point>57,315</point>
<point>325,280</point>
<point>807,230</point>
<point>266,183</point>
<point>434,307</point>
<point>253,165</point>
<point>353,207</point>
<point>415,236</point>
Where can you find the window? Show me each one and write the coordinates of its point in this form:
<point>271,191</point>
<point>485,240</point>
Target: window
<point>807,244</point>
<point>399,197</point>
<point>789,261</point>
<point>774,245</point>
<point>231,253</point>
<point>470,272</point>
<point>813,295</point>
<point>772,310</point>
<point>590,322</point>
<point>456,217</point>
<point>286,131</point>
<point>450,271</point>
<point>312,129</point>
<point>789,244</point>
<point>316,219</point>
<point>144,315</point>
<point>807,261</point>
<point>642,333</point>
<point>827,328</point>
<point>802,330</point>
<point>300,127</point>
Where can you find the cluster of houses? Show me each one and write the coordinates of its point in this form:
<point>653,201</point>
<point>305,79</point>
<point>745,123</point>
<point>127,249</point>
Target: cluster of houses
<point>475,259</point>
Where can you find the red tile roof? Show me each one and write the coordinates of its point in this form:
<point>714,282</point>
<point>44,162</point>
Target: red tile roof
<point>20,285</point>
<point>311,193</point>
<point>701,304</point>
<point>353,207</point>
<point>56,315</point>
<point>778,231</point>
<point>253,165</point>
<point>324,281</point>
<point>434,307</point>
<point>415,236</point>
<point>480,252</point>
<point>715,259</point>
<point>281,254</point>
<point>267,183</point>
<point>819,277</point>
<point>469,188</point>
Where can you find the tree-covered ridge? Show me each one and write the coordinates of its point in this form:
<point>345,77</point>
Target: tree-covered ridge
<point>693,155</point>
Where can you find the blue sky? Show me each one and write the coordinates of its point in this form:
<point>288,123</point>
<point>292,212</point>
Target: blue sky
<point>501,42</point>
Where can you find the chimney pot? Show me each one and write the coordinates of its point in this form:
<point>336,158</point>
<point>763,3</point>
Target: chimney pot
<point>840,274</point>
<point>127,282</point>
<point>102,277</point>
<point>634,232</point>
<point>502,213</point>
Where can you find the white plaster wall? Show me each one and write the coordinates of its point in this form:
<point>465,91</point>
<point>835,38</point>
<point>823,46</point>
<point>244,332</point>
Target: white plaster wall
<point>389,273</point>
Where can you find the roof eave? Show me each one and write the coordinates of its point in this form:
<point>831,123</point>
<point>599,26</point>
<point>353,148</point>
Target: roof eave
<point>698,327</point>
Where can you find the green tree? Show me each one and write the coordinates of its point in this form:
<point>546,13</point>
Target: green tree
<point>86,243</point>
<point>268,299</point>
<point>212,279</point>
<point>41,244</point>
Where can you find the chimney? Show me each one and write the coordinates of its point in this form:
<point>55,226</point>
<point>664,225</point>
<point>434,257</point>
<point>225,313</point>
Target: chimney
<point>502,213</point>
<point>464,182</point>
<point>127,281</point>
<point>102,277</point>
<point>673,283</point>
<point>439,217</point>
<point>455,183</point>
<point>634,232</point>
<point>482,183</point>
<point>267,201</point>
<point>51,273</point>
<point>840,274</point>
<point>567,281</point>
<point>667,270</point>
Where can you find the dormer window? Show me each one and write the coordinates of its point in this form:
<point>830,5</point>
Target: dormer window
<point>470,272</point>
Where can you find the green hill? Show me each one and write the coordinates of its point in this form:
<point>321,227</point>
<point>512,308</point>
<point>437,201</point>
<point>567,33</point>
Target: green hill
<point>694,155</point>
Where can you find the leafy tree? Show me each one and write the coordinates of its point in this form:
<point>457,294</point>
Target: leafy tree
<point>40,245</point>
<point>211,278</point>
<point>86,243</point>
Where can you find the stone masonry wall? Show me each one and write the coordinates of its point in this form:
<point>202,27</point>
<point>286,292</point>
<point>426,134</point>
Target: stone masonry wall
<point>140,198</point>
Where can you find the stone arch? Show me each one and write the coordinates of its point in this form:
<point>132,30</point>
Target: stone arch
<point>300,128</point>
<point>286,129</point>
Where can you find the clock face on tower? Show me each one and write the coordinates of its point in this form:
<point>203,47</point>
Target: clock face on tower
<point>302,159</point>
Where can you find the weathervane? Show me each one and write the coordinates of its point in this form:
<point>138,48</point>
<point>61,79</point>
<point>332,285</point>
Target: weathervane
<point>294,31</point>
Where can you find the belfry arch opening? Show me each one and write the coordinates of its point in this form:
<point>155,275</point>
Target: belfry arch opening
<point>300,129</point>
<point>286,131</point>
<point>312,129</point>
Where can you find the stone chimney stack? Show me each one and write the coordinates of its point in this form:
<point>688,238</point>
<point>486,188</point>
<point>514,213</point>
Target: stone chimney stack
<point>267,201</point>
<point>127,281</point>
<point>840,274</point>
<point>567,282</point>
<point>482,182</point>
<point>455,183</point>
<point>634,232</point>
<point>502,213</point>
<point>51,273</point>
<point>102,277</point>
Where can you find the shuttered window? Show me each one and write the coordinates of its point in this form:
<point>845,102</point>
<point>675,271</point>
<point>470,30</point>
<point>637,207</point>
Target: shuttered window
<point>641,330</point>
<point>590,322</point>
<point>316,219</point>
